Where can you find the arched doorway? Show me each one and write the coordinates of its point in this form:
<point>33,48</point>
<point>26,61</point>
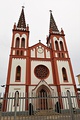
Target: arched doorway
<point>43,93</point>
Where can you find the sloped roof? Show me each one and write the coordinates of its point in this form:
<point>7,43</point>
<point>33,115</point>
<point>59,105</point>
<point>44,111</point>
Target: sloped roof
<point>53,25</point>
<point>21,22</point>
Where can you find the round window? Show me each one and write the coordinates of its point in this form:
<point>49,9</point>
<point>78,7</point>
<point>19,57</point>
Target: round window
<point>41,71</point>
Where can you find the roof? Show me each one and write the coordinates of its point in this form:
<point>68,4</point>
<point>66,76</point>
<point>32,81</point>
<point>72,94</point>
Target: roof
<point>21,22</point>
<point>53,27</point>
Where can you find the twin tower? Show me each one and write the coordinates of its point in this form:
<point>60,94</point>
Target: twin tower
<point>39,69</point>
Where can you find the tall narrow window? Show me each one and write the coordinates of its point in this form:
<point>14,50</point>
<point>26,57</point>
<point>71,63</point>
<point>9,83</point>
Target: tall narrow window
<point>61,45</point>
<point>63,55</point>
<point>16,100</point>
<point>23,43</point>
<point>22,53</point>
<point>17,52</point>
<point>18,73</point>
<point>64,74</point>
<point>58,54</point>
<point>56,45</point>
<point>17,42</point>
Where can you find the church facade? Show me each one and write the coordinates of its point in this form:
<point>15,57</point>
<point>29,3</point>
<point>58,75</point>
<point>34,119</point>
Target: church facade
<point>39,69</point>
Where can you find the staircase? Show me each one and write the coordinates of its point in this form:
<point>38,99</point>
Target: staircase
<point>45,112</point>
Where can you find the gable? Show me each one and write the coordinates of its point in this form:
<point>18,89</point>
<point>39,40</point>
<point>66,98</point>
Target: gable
<point>40,51</point>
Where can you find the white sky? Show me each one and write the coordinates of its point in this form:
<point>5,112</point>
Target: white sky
<point>66,14</point>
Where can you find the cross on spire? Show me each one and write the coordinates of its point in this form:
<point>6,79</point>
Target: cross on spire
<point>50,11</point>
<point>23,7</point>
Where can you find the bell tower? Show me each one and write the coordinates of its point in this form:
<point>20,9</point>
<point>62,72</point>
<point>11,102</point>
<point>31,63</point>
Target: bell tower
<point>17,76</point>
<point>38,68</point>
<point>62,68</point>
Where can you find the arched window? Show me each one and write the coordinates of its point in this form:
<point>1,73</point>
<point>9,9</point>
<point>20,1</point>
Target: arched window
<point>63,55</point>
<point>16,100</point>
<point>22,53</point>
<point>64,74</point>
<point>18,73</point>
<point>56,45</point>
<point>61,45</point>
<point>23,43</point>
<point>68,93</point>
<point>17,52</point>
<point>17,42</point>
<point>58,54</point>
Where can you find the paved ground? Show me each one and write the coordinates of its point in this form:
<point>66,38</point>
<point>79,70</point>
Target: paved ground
<point>50,117</point>
<point>42,115</point>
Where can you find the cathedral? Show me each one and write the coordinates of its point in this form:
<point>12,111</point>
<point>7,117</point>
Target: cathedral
<point>39,68</point>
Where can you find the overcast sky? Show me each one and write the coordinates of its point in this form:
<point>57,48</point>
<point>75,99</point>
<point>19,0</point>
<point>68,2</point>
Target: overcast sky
<point>66,14</point>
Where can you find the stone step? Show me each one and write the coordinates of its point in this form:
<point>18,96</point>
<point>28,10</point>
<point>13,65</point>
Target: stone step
<point>46,112</point>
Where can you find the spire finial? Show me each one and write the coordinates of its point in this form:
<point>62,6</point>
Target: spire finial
<point>50,11</point>
<point>23,7</point>
<point>39,41</point>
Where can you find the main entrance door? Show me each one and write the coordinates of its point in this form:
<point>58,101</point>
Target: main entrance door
<point>43,99</point>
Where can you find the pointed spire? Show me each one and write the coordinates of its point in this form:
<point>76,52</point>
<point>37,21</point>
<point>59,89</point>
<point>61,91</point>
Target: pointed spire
<point>21,22</point>
<point>53,26</point>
